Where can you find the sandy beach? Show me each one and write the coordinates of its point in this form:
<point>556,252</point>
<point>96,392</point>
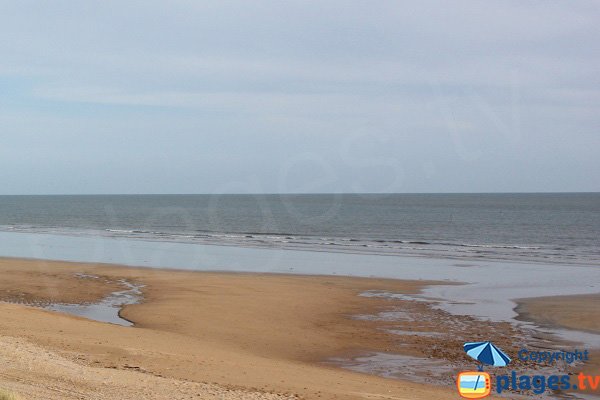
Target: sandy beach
<point>209,335</point>
<point>240,335</point>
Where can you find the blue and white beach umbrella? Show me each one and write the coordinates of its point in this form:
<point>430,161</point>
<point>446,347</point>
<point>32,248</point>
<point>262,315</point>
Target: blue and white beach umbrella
<point>487,353</point>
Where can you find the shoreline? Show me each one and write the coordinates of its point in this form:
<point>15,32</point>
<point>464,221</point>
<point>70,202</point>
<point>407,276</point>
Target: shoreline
<point>490,287</point>
<point>308,248</point>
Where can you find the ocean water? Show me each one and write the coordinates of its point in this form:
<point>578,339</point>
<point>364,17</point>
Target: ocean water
<point>549,228</point>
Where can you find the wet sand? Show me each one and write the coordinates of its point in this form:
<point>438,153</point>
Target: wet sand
<point>210,335</point>
<point>572,313</point>
<point>580,313</point>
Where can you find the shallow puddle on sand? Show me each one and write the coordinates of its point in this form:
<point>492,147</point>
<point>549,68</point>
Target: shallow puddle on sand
<point>106,310</point>
<point>398,366</point>
<point>416,333</point>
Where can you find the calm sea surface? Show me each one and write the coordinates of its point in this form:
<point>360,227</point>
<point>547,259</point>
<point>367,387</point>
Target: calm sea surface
<point>551,228</point>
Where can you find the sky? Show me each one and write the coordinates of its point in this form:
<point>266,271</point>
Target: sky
<point>299,96</point>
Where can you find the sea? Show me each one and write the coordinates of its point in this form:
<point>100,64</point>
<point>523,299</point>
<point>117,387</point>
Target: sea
<point>532,227</point>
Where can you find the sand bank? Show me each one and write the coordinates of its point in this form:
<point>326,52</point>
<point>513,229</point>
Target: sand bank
<point>577,317</point>
<point>581,313</point>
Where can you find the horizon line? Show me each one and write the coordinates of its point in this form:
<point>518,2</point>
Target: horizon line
<point>290,193</point>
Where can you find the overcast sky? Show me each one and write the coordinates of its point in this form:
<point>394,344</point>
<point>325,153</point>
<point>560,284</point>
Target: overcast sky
<point>299,96</point>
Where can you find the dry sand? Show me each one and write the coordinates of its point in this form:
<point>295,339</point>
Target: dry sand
<point>196,335</point>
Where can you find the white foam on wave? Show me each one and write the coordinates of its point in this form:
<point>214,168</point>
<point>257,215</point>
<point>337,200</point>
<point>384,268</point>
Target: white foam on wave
<point>426,248</point>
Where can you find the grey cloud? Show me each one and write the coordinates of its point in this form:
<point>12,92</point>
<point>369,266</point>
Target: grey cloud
<point>187,96</point>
